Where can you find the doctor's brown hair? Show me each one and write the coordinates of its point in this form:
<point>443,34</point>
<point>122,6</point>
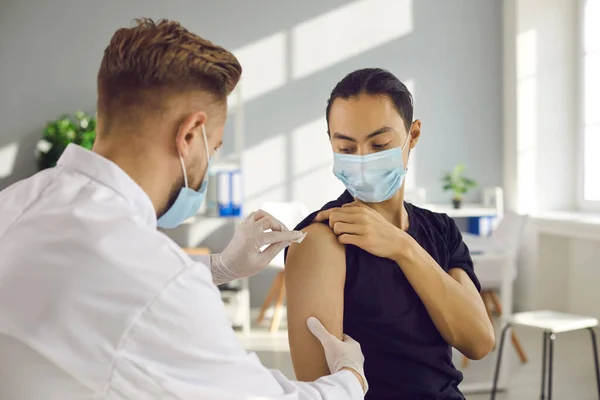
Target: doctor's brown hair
<point>152,61</point>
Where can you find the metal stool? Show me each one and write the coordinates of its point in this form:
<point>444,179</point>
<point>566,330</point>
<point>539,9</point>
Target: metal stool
<point>551,323</point>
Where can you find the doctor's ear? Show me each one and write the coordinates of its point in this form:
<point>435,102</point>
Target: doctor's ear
<point>415,133</point>
<point>189,131</point>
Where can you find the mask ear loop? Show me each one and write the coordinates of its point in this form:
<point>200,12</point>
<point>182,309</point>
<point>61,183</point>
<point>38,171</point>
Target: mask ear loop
<point>185,179</point>
<point>206,145</point>
<point>403,146</point>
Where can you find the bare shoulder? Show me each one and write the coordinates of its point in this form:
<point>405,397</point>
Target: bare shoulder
<point>320,246</point>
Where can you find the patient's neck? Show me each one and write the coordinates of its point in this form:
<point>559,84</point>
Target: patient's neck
<point>393,210</point>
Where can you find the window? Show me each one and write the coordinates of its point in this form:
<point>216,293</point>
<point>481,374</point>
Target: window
<point>591,103</point>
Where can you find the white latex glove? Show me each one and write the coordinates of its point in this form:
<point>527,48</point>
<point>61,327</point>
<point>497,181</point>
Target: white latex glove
<point>340,354</point>
<point>243,256</point>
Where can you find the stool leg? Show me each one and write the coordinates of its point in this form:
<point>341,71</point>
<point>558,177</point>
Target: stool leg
<point>550,362</point>
<point>595,348</point>
<point>499,360</point>
<point>544,362</point>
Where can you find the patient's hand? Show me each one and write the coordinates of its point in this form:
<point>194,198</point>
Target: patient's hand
<point>315,274</point>
<point>359,225</point>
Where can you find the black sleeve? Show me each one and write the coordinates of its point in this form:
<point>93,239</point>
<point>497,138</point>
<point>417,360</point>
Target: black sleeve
<point>460,257</point>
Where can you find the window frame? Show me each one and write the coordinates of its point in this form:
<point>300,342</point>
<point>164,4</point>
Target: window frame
<point>583,204</point>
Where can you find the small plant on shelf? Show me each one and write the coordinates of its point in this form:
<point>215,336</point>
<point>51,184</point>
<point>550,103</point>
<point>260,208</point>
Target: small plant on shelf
<point>58,134</point>
<point>456,182</point>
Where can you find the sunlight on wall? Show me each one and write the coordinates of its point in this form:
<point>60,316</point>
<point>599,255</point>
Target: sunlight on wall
<point>526,121</point>
<point>313,181</point>
<point>264,166</point>
<point>278,193</point>
<point>526,54</point>
<point>311,147</point>
<point>264,66</point>
<point>592,88</point>
<point>591,26</point>
<point>316,188</point>
<point>592,163</point>
<point>8,156</point>
<point>346,32</point>
<point>591,137</point>
<point>410,85</point>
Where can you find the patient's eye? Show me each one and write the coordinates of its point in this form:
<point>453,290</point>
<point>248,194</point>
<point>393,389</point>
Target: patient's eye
<point>381,146</point>
<point>347,150</point>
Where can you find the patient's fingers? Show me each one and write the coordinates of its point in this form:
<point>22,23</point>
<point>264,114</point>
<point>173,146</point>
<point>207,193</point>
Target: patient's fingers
<point>324,215</point>
<point>355,240</point>
<point>339,228</point>
<point>343,216</point>
<point>355,203</point>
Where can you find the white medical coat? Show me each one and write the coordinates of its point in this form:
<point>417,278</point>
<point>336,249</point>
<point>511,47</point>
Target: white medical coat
<point>95,303</point>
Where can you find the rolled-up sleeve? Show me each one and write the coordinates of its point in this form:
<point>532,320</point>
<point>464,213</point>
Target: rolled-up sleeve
<point>460,256</point>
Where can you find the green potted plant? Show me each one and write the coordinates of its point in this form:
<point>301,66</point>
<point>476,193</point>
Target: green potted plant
<point>79,129</point>
<point>458,184</point>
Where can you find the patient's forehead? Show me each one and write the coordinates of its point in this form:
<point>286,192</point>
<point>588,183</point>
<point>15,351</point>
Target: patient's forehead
<point>363,114</point>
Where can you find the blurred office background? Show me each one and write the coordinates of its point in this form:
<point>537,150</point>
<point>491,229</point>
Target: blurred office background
<point>508,88</point>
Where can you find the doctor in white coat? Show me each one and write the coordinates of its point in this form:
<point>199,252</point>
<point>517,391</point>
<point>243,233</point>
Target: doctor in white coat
<point>95,302</point>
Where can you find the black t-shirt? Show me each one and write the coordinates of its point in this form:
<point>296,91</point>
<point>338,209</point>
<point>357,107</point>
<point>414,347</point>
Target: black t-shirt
<point>405,355</point>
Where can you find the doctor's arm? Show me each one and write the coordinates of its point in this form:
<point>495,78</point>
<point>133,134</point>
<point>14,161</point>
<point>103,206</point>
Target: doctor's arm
<point>315,273</point>
<point>182,346</point>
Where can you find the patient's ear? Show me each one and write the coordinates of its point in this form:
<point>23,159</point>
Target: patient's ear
<point>415,133</point>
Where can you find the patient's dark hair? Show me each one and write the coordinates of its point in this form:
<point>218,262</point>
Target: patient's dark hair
<point>375,82</point>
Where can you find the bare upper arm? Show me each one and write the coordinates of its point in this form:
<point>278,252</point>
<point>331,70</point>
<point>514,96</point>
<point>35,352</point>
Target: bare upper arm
<point>315,274</point>
<point>460,276</point>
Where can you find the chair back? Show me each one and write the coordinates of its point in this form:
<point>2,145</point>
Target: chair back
<point>509,232</point>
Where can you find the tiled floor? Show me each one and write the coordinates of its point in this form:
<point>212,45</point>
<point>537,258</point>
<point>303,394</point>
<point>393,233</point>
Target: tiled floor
<point>574,377</point>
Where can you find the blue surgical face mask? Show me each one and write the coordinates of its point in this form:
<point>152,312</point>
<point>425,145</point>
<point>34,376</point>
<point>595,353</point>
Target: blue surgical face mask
<point>372,178</point>
<point>188,200</point>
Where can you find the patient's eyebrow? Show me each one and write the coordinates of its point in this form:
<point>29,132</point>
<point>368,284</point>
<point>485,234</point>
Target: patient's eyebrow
<point>379,131</point>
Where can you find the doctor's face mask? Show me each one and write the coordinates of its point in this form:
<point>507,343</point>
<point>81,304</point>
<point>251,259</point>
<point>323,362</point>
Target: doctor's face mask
<point>188,200</point>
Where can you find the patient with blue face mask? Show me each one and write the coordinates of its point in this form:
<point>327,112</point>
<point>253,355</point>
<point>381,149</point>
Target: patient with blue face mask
<point>395,277</point>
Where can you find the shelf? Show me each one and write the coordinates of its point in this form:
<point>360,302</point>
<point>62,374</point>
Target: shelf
<point>465,211</point>
<point>575,224</point>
